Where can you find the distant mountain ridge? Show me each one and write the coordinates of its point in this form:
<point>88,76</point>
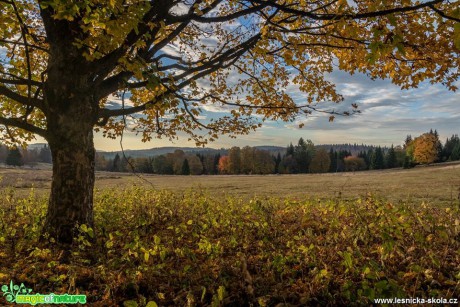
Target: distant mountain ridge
<point>156,151</point>
<point>153,152</point>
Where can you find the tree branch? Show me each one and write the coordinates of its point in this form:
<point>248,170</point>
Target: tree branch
<point>26,49</point>
<point>103,66</point>
<point>34,102</point>
<point>287,9</point>
<point>105,114</point>
<point>225,18</point>
<point>2,40</point>
<point>113,83</point>
<point>20,81</point>
<point>442,14</point>
<point>16,122</point>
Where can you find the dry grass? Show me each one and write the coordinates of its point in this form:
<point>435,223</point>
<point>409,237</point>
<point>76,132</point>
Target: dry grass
<point>440,183</point>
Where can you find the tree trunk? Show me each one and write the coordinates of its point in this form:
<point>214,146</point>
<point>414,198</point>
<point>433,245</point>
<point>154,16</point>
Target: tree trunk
<point>71,198</point>
<point>71,111</point>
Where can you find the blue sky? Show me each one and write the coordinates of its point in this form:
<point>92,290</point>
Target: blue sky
<point>388,115</point>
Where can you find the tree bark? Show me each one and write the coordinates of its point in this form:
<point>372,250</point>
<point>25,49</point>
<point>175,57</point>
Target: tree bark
<point>71,110</point>
<point>71,198</point>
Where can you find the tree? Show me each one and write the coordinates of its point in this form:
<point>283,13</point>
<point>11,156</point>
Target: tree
<point>195,165</point>
<point>185,168</point>
<point>390,158</point>
<point>3,153</point>
<point>162,165</point>
<point>333,158</point>
<point>455,153</point>
<point>377,160</point>
<point>288,165</point>
<point>247,160</point>
<point>366,156</point>
<point>320,163</point>
<point>407,141</point>
<point>65,61</point>
<point>127,164</point>
<point>301,156</point>
<point>223,165</point>
<point>116,164</point>
<point>341,155</point>
<point>101,164</point>
<point>409,160</point>
<point>177,158</point>
<point>143,165</point>
<point>400,156</point>
<point>263,162</point>
<point>425,148</point>
<point>234,160</point>
<point>277,163</point>
<point>448,148</point>
<point>29,156</point>
<point>209,165</point>
<point>45,155</point>
<point>216,164</point>
<point>438,145</point>
<point>14,157</point>
<point>290,150</point>
<point>354,164</point>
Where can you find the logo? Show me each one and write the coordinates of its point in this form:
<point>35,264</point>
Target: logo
<point>22,295</point>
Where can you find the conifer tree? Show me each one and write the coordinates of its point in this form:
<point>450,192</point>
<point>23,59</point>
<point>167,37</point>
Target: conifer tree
<point>116,166</point>
<point>377,161</point>
<point>333,158</point>
<point>390,159</point>
<point>185,168</point>
<point>14,157</point>
<point>449,146</point>
<point>455,153</point>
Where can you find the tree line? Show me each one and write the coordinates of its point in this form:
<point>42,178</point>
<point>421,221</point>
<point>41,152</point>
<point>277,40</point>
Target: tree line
<point>18,156</point>
<point>304,157</point>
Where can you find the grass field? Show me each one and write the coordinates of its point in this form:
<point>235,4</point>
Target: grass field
<point>436,184</point>
<point>280,240</point>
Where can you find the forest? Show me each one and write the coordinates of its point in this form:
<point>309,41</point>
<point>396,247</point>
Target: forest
<point>304,157</point>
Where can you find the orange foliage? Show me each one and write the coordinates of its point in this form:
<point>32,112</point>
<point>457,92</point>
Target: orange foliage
<point>425,150</point>
<point>223,165</point>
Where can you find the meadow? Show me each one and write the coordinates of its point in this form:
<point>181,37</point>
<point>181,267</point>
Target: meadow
<point>438,184</point>
<point>295,240</point>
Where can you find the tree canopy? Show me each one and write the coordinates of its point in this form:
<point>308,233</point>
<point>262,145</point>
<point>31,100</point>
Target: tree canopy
<point>175,57</point>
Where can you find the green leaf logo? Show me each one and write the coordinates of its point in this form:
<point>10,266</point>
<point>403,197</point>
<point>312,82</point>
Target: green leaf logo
<point>10,292</point>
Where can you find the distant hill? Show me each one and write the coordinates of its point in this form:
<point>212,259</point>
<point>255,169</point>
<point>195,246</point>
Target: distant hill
<point>153,152</point>
<point>355,149</point>
<point>274,150</point>
<point>36,146</point>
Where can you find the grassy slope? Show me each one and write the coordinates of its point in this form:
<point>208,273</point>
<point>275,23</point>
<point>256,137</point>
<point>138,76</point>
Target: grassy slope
<point>438,184</point>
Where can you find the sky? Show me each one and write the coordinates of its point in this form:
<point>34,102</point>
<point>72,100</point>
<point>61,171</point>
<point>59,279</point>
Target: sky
<point>388,114</point>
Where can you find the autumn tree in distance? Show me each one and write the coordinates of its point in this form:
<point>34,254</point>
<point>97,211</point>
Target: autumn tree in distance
<point>62,61</point>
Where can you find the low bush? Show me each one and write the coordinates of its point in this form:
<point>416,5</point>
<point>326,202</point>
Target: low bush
<point>192,249</point>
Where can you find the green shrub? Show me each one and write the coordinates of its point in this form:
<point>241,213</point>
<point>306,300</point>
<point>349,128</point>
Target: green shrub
<point>158,247</point>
